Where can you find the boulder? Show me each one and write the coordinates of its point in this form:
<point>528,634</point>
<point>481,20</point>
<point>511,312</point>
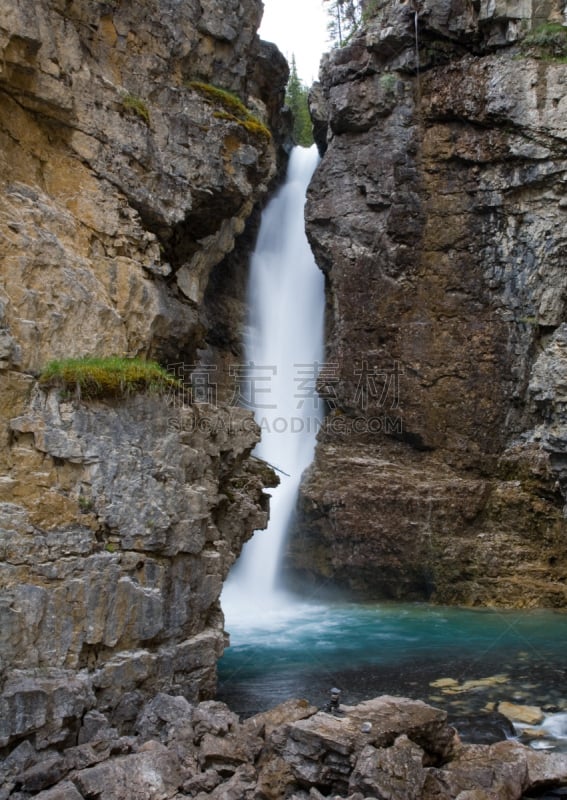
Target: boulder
<point>152,772</point>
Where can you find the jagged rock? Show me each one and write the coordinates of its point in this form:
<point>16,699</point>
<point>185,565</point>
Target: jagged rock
<point>49,702</point>
<point>153,772</point>
<point>162,717</point>
<point>386,747</point>
<point>275,779</point>
<point>436,216</point>
<point>500,770</point>
<point>96,727</point>
<point>546,770</point>
<point>240,786</point>
<point>203,782</point>
<point>48,772</point>
<point>64,791</point>
<point>323,749</point>
<point>224,754</point>
<point>396,772</point>
<point>132,608</point>
<point>123,185</point>
<point>135,146</point>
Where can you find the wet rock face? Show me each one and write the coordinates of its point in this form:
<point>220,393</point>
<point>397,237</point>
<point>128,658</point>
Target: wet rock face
<point>438,216</point>
<point>124,181</point>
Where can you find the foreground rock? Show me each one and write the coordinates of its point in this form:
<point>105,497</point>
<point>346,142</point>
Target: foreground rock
<point>383,748</point>
<point>438,216</point>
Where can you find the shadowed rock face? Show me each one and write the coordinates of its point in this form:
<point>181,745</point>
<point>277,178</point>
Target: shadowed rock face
<point>122,184</point>
<point>438,216</point>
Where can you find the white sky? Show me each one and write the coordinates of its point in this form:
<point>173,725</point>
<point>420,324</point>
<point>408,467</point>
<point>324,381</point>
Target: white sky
<point>298,27</point>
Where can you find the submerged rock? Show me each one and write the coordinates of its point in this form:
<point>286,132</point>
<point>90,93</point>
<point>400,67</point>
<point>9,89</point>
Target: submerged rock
<point>530,715</point>
<point>483,727</point>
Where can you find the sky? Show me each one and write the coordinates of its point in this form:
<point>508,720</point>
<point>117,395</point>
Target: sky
<point>298,27</point>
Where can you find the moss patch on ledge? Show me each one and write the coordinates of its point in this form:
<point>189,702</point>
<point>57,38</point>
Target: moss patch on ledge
<point>548,42</point>
<point>114,376</point>
<point>233,109</point>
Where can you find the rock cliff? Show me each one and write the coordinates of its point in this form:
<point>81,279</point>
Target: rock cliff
<point>438,214</point>
<point>136,139</point>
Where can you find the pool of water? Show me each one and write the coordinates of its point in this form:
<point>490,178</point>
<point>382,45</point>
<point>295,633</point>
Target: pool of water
<point>462,660</point>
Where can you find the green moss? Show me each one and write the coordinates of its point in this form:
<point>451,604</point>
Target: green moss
<point>548,41</point>
<point>107,377</point>
<point>135,104</point>
<point>388,82</point>
<point>233,109</point>
<point>528,320</point>
<point>371,8</point>
<point>221,96</point>
<point>85,504</point>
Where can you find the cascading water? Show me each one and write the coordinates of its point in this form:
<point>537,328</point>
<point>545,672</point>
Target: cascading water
<point>284,346</point>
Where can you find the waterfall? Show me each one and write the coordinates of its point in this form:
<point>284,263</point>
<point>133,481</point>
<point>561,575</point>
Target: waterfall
<point>284,348</point>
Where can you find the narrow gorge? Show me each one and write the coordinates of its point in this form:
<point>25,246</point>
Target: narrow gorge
<point>139,144</point>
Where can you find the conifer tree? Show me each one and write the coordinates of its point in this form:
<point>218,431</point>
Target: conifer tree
<point>297,100</point>
<point>344,18</point>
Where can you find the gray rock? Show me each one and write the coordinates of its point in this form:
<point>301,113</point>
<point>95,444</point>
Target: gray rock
<point>203,782</point>
<point>323,749</point>
<point>225,753</point>
<point>42,775</point>
<point>153,772</point>
<point>213,718</point>
<point>95,727</point>
<point>63,791</point>
<point>500,770</point>
<point>409,753</point>
<point>132,609</point>
<point>163,714</point>
<point>114,544</point>
<point>241,786</point>
<point>396,772</point>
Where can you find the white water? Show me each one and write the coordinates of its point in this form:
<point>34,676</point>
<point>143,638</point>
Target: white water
<point>285,336</point>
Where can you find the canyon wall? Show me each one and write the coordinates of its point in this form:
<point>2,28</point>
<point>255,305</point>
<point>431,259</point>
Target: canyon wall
<point>438,214</point>
<point>127,172</point>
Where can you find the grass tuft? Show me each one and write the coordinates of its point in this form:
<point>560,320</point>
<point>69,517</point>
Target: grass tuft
<point>135,104</point>
<point>114,376</point>
<point>548,41</point>
<point>234,109</point>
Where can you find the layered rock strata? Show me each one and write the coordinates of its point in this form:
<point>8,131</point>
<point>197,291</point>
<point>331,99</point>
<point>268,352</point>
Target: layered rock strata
<point>135,143</point>
<point>438,216</point>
